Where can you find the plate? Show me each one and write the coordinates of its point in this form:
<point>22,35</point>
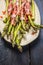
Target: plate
<point>28,36</point>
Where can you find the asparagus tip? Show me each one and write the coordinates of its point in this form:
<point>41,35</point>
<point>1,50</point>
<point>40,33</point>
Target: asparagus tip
<point>20,48</point>
<point>3,34</point>
<point>13,44</point>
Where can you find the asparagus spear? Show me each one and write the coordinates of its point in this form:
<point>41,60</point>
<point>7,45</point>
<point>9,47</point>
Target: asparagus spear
<point>18,40</point>
<point>7,2</point>
<point>5,20</point>
<point>9,29</point>
<point>22,31</point>
<point>27,27</point>
<point>5,28</point>
<point>23,25</point>
<point>33,9</point>
<point>18,27</point>
<point>3,34</point>
<point>16,31</point>
<point>36,26</point>
<point>31,22</point>
<point>12,33</point>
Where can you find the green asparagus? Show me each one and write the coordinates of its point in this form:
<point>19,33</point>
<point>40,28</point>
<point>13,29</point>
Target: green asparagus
<point>12,33</point>
<point>5,28</point>
<point>7,3</point>
<point>16,31</point>
<point>33,10</point>
<point>5,20</point>
<point>9,29</point>
<point>34,25</point>
<point>38,26</point>
<point>23,25</point>
<point>18,40</point>
<point>31,22</point>
<point>22,31</point>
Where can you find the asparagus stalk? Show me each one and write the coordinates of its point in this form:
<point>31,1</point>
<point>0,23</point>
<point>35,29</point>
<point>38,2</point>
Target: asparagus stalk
<point>18,40</point>
<point>3,34</point>
<point>27,27</point>
<point>5,28</point>
<point>34,25</point>
<point>12,33</point>
<point>33,9</point>
<point>23,25</point>
<point>16,31</point>
<point>5,20</point>
<point>20,48</point>
<point>38,26</point>
<point>22,31</point>
<point>7,2</point>
<point>7,23</point>
<point>9,29</point>
<point>6,15</point>
<point>31,22</point>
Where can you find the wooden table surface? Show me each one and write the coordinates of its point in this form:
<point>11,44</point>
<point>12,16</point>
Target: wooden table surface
<point>31,55</point>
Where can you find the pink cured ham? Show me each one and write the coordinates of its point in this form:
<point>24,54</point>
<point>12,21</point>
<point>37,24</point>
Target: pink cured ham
<point>13,21</point>
<point>10,0</point>
<point>27,8</point>
<point>10,8</point>
<point>16,10</point>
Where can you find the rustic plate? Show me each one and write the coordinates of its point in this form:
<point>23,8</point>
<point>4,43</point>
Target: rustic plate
<point>28,36</point>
